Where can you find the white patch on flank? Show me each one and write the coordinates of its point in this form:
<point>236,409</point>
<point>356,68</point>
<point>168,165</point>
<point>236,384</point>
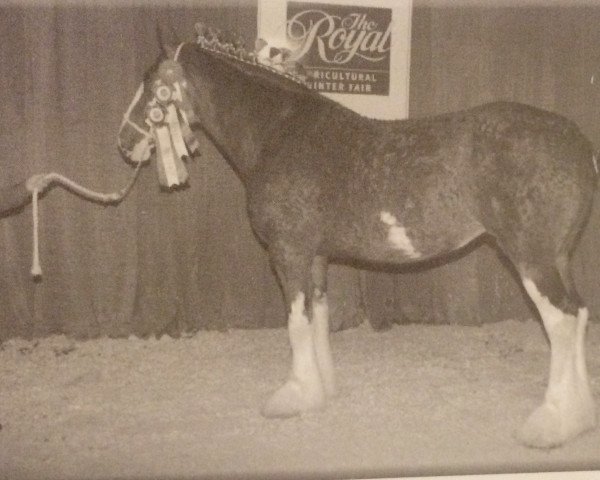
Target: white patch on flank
<point>397,235</point>
<point>595,160</point>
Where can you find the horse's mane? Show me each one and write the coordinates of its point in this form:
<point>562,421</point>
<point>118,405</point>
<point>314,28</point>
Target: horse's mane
<point>281,71</point>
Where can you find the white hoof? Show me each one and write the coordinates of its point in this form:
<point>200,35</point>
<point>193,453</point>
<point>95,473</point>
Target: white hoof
<point>292,399</point>
<point>549,427</point>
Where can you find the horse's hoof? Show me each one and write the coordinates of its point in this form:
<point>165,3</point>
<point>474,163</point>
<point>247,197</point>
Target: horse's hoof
<point>548,427</point>
<point>293,399</point>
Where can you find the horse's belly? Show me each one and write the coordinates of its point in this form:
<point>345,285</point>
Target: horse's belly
<point>389,240</point>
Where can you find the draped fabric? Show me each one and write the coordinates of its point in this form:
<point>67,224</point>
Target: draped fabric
<point>68,74</point>
<point>173,262</point>
<point>159,262</point>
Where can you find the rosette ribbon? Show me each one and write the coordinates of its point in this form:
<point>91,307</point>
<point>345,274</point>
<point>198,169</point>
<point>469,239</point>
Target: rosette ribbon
<point>169,115</point>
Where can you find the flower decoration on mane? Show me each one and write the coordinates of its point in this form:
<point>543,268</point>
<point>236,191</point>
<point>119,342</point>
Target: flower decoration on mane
<point>276,60</point>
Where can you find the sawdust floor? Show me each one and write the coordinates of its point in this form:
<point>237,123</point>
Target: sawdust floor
<point>413,400</point>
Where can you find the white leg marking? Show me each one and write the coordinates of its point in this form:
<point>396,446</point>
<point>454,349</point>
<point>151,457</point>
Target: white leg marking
<point>304,365</point>
<point>304,389</point>
<point>320,324</point>
<point>568,407</point>
<point>397,235</point>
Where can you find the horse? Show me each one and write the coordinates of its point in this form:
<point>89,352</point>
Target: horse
<point>325,184</point>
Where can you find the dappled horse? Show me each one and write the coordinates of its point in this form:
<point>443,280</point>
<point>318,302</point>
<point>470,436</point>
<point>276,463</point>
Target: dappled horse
<point>326,184</point>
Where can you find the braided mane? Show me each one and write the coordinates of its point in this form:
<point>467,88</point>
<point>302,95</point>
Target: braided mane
<point>275,61</point>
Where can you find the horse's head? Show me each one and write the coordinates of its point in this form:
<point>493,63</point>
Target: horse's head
<point>164,84</point>
<point>158,120</point>
<point>136,140</point>
<point>214,83</point>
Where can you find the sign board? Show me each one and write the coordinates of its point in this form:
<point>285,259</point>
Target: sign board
<point>356,52</point>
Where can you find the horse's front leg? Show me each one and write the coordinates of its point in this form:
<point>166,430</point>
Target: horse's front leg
<point>304,390</point>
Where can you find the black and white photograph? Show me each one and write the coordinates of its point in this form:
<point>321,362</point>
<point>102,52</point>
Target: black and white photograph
<point>299,239</point>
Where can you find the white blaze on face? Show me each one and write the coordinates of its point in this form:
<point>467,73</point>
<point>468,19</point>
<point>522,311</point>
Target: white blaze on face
<point>142,151</point>
<point>397,235</point>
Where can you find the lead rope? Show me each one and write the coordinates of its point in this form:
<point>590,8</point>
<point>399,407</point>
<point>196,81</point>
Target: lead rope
<point>36,268</point>
<point>105,198</point>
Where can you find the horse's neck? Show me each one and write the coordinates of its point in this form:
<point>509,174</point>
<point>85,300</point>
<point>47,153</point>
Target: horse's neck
<point>242,113</point>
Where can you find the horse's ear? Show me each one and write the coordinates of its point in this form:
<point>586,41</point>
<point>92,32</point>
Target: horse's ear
<point>166,49</point>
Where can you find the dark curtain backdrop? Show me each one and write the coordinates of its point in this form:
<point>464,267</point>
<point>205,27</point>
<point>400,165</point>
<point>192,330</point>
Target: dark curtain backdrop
<point>174,262</point>
<point>159,262</point>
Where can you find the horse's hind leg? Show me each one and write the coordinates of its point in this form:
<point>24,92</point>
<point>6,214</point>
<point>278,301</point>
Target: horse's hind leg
<point>304,389</point>
<point>320,323</point>
<point>568,408</point>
